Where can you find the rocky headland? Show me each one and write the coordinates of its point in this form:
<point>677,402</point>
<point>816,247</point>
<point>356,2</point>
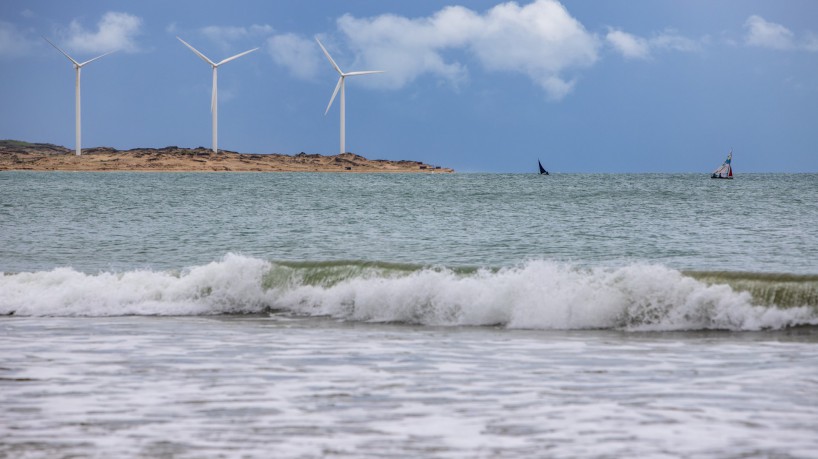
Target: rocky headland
<point>17,155</point>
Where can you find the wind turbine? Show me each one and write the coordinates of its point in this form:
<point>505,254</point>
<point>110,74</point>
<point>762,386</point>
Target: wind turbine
<point>77,67</point>
<point>214,103</point>
<point>341,86</point>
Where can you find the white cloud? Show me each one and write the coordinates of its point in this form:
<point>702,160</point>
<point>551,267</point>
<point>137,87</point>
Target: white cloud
<point>671,40</point>
<point>14,42</point>
<point>225,36</point>
<point>299,55</point>
<point>27,13</point>
<point>766,34</point>
<point>540,40</point>
<point>116,31</point>
<point>630,46</point>
<point>407,48</point>
<point>634,47</point>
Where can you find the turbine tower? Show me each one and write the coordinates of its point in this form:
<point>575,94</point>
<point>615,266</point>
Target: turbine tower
<point>214,103</point>
<point>341,86</point>
<point>77,68</point>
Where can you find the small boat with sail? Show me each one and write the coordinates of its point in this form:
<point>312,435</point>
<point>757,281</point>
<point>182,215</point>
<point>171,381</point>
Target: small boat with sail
<point>542,169</point>
<point>725,171</point>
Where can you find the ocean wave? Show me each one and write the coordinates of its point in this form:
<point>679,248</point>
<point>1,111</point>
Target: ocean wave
<point>536,294</point>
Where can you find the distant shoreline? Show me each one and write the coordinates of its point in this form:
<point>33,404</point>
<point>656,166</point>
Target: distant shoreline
<point>24,156</point>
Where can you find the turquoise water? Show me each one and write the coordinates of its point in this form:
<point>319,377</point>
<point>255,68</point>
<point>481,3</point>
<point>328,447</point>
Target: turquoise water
<point>458,316</point>
<point>122,221</point>
<point>479,248</point>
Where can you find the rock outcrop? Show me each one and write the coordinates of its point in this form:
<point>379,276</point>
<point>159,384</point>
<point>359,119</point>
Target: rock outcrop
<point>17,155</point>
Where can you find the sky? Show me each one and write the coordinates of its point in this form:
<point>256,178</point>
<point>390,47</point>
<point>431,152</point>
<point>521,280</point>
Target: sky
<point>479,86</point>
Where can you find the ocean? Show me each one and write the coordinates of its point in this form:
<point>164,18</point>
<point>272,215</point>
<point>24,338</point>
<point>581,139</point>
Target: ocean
<point>190,315</point>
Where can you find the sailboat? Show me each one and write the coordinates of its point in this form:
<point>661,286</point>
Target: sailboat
<point>542,169</point>
<point>725,171</point>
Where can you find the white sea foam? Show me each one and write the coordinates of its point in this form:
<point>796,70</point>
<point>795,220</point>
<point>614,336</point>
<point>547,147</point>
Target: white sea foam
<point>289,387</point>
<point>537,295</point>
<point>232,285</point>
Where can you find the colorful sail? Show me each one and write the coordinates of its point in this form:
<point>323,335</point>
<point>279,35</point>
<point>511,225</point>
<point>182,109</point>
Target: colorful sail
<point>725,171</point>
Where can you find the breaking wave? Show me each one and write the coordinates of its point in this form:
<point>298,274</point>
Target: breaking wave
<point>534,295</point>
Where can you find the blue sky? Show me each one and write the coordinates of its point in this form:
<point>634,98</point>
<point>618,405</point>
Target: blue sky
<point>480,86</point>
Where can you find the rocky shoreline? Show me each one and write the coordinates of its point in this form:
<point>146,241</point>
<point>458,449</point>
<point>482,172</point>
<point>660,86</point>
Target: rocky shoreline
<point>16,155</point>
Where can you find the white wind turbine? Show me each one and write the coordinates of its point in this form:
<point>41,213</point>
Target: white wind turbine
<point>214,103</point>
<point>341,86</point>
<point>77,67</point>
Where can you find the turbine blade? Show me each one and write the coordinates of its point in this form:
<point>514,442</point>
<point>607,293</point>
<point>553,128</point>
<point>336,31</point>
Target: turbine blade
<point>366,72</point>
<point>92,60</point>
<point>63,52</point>
<point>204,58</point>
<point>334,93</point>
<point>235,57</point>
<point>326,53</point>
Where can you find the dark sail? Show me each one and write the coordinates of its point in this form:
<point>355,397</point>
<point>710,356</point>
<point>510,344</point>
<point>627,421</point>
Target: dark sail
<point>542,169</point>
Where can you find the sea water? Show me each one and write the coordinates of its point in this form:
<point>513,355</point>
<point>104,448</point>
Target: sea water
<point>376,315</point>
